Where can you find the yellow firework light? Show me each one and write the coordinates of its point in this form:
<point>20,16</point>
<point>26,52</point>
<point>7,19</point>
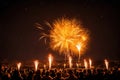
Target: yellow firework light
<point>66,34</point>
<point>90,63</point>
<point>50,59</point>
<point>85,64</point>
<point>19,65</point>
<point>70,62</point>
<point>36,64</point>
<point>106,63</point>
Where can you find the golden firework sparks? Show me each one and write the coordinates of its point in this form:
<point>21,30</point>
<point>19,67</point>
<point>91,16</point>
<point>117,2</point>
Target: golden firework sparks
<point>79,48</point>
<point>65,34</point>
<point>85,64</point>
<point>64,65</point>
<point>19,65</point>
<point>44,66</point>
<point>106,63</point>
<point>90,63</point>
<point>50,59</point>
<point>36,64</point>
<point>70,62</point>
<point>77,65</point>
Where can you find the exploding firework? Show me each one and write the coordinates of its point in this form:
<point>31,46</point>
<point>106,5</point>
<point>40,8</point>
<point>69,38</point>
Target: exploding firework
<point>65,34</point>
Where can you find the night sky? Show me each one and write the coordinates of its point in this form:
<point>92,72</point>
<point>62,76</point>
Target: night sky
<point>19,38</point>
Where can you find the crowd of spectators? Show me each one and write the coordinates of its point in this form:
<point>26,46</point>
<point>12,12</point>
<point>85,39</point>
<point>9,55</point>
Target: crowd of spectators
<point>59,74</point>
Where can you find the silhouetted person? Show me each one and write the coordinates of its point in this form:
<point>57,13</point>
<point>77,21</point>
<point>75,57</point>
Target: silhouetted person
<point>16,75</point>
<point>43,73</point>
<point>37,75</point>
<point>58,77</point>
<point>71,76</point>
<point>47,76</point>
<point>30,75</point>
<point>52,73</point>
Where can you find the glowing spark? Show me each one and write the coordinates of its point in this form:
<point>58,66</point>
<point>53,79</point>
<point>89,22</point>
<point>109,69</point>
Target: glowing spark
<point>36,64</point>
<point>70,62</point>
<point>64,65</point>
<point>50,59</point>
<point>77,65</point>
<point>44,66</point>
<point>78,47</point>
<point>64,34</point>
<point>85,64</point>
<point>19,65</point>
<point>106,63</point>
<point>90,63</point>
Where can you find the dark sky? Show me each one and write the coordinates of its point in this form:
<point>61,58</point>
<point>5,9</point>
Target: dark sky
<point>19,38</point>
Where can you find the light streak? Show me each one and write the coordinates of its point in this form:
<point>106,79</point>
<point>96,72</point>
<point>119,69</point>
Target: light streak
<point>50,59</point>
<point>106,63</point>
<point>18,65</point>
<point>36,64</point>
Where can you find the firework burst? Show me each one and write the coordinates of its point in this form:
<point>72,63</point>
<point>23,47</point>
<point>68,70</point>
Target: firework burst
<point>65,34</point>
